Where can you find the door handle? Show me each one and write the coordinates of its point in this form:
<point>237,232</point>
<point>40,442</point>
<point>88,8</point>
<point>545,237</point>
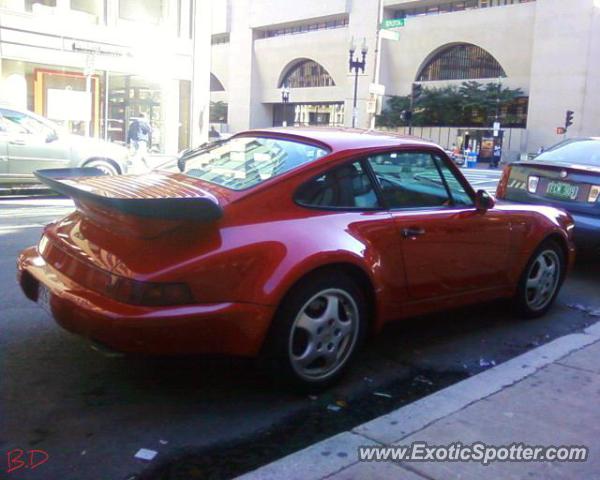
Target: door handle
<point>412,232</point>
<point>17,142</point>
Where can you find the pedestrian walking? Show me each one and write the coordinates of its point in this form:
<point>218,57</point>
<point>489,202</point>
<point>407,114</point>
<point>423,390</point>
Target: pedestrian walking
<point>213,134</point>
<point>496,156</point>
<point>138,135</point>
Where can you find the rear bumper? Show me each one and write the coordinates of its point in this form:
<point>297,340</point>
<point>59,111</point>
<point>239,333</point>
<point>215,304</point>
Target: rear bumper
<point>221,328</point>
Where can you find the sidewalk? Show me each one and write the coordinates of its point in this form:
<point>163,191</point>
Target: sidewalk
<point>549,396</point>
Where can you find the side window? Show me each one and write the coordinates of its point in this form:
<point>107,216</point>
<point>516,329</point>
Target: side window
<point>347,186</point>
<point>9,126</point>
<point>26,123</point>
<point>410,180</point>
<point>458,192</point>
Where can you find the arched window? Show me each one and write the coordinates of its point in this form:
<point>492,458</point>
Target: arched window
<point>215,84</point>
<point>307,73</point>
<point>460,62</point>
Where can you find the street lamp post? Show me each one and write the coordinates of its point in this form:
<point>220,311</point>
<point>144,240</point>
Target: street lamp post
<point>356,66</point>
<point>285,98</point>
<point>499,91</point>
<point>90,61</point>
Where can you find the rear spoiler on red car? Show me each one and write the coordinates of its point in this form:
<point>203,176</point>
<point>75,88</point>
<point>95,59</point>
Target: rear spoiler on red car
<point>134,195</point>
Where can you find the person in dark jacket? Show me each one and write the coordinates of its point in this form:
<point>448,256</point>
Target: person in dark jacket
<point>213,134</point>
<point>496,156</point>
<point>138,135</point>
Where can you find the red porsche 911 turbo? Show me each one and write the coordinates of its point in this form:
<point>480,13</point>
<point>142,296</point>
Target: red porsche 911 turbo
<point>289,245</point>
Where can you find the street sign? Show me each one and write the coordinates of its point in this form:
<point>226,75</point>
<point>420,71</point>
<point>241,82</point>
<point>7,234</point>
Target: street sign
<point>496,129</point>
<point>389,34</point>
<point>393,23</point>
<point>377,89</point>
<point>372,105</point>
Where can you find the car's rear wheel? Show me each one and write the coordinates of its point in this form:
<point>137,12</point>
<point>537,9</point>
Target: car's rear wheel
<point>541,280</point>
<point>106,167</point>
<point>316,331</point>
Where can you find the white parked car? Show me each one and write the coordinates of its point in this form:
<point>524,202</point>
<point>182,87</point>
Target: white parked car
<point>29,142</point>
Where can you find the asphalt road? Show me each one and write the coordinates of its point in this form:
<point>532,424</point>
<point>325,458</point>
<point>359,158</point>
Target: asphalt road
<point>91,413</point>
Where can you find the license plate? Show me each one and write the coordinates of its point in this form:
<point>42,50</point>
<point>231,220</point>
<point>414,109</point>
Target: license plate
<point>563,190</point>
<point>43,298</point>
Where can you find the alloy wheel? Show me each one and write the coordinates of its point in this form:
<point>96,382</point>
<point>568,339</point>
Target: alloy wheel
<point>324,334</point>
<point>104,167</point>
<point>542,279</point>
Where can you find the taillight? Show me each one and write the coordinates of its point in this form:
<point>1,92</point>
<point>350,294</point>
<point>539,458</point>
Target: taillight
<point>503,184</point>
<point>594,194</point>
<point>121,289</point>
<point>135,292</point>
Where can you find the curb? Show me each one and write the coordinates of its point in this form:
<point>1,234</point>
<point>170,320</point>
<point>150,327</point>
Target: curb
<point>24,191</point>
<point>338,452</point>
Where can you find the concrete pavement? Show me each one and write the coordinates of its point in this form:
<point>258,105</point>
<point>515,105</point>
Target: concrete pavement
<point>545,397</point>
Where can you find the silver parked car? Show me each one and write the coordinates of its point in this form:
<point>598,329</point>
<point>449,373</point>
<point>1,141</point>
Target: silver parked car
<point>29,142</point>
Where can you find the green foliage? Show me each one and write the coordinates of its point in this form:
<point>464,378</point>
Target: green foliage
<point>470,104</point>
<point>392,114</point>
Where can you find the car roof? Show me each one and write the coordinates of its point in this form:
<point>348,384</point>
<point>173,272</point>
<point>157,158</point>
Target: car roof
<point>339,139</point>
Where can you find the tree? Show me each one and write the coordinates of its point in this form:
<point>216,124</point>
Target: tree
<point>392,114</point>
<point>468,105</point>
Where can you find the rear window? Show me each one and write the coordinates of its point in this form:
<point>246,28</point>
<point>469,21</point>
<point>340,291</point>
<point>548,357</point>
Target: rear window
<point>582,151</point>
<point>244,162</point>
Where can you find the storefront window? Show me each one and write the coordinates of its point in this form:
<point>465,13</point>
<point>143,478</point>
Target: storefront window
<point>94,8</point>
<point>64,95</point>
<point>128,97</point>
<point>101,104</point>
<point>30,4</point>
<point>147,11</point>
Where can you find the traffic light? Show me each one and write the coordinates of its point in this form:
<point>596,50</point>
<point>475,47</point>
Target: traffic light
<point>406,116</point>
<point>417,91</point>
<point>569,118</point>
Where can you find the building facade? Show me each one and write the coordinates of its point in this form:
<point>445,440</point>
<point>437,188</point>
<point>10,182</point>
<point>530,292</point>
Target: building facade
<point>94,65</point>
<point>547,48</point>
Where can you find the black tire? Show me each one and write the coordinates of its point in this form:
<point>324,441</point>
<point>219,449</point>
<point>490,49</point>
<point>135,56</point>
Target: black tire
<point>107,167</point>
<point>280,346</point>
<point>523,302</point>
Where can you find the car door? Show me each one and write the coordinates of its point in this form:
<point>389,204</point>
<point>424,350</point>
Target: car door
<point>33,145</point>
<point>449,246</point>
<point>348,194</point>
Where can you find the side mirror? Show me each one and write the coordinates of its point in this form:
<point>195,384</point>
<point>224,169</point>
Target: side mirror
<point>181,163</point>
<point>51,137</point>
<point>484,201</point>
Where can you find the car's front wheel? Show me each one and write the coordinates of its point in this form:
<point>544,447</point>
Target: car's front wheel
<point>316,331</point>
<point>105,167</point>
<point>541,280</point>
